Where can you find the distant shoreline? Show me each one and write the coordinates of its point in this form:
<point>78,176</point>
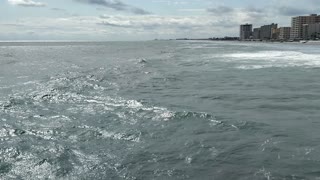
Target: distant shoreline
<point>214,40</point>
<point>256,41</point>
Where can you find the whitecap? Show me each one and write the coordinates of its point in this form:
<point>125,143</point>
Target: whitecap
<point>268,59</point>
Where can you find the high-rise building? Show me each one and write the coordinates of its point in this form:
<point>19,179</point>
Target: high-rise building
<point>256,33</point>
<point>314,31</point>
<point>275,33</point>
<point>298,22</point>
<point>305,31</point>
<point>284,33</point>
<point>245,31</point>
<point>311,31</point>
<point>266,31</point>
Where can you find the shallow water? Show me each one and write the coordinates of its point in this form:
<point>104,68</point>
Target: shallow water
<point>159,110</point>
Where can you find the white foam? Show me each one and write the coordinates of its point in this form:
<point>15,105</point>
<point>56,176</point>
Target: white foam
<point>203,47</point>
<point>215,122</point>
<point>263,172</point>
<point>22,77</point>
<point>133,104</point>
<point>274,55</point>
<point>255,66</point>
<point>30,82</point>
<point>268,59</point>
<point>188,159</point>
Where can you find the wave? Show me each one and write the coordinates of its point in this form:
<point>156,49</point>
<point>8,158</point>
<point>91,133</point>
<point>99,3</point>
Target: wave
<point>76,125</point>
<point>269,59</point>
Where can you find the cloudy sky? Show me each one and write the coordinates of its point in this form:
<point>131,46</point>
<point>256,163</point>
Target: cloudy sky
<point>141,19</point>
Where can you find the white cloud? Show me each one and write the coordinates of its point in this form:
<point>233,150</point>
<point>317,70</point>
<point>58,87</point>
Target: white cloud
<point>26,3</point>
<point>212,22</point>
<point>171,2</point>
<point>120,27</point>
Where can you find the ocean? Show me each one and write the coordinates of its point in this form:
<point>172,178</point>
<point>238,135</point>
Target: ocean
<point>159,110</point>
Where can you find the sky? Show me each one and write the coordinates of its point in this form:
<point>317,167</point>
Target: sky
<point>130,20</point>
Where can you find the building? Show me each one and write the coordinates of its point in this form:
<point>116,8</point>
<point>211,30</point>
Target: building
<point>256,33</point>
<point>245,31</point>
<point>266,31</point>
<point>311,31</point>
<point>314,31</point>
<point>305,31</point>
<point>297,25</point>
<point>275,33</point>
<point>284,33</point>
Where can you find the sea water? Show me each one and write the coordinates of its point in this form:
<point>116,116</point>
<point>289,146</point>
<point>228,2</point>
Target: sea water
<point>159,110</point>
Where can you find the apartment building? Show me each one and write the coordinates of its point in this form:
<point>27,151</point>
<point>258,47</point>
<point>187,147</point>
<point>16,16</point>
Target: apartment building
<point>297,25</point>
<point>256,33</point>
<point>245,31</point>
<point>284,33</point>
<point>266,31</point>
<point>311,31</point>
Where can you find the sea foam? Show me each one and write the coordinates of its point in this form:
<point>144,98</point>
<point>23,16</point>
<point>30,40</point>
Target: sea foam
<point>268,59</point>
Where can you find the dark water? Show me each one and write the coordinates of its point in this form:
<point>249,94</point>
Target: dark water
<point>159,110</point>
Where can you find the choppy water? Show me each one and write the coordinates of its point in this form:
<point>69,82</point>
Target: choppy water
<point>159,110</point>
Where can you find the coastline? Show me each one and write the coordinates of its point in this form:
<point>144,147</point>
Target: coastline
<point>257,41</point>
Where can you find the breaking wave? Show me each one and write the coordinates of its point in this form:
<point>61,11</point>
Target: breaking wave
<point>268,59</point>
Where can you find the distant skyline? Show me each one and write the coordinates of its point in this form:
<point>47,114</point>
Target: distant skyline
<point>114,20</point>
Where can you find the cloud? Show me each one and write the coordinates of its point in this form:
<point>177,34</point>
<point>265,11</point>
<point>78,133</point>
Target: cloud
<point>192,10</point>
<point>225,11</point>
<point>221,10</point>
<point>58,9</point>
<point>172,26</point>
<point>230,16</point>
<point>27,3</point>
<point>118,27</point>
<point>172,2</point>
<point>139,11</point>
<point>287,8</point>
<point>254,10</point>
<point>126,27</point>
<point>116,5</point>
<point>219,20</point>
<point>291,11</point>
<point>154,21</point>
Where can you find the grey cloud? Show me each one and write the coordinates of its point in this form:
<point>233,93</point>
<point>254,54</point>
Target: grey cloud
<point>155,22</point>
<point>291,11</point>
<point>228,17</point>
<point>224,10</point>
<point>254,10</point>
<point>220,10</point>
<point>115,25</point>
<point>256,13</point>
<point>13,25</point>
<point>116,5</point>
<point>139,11</point>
